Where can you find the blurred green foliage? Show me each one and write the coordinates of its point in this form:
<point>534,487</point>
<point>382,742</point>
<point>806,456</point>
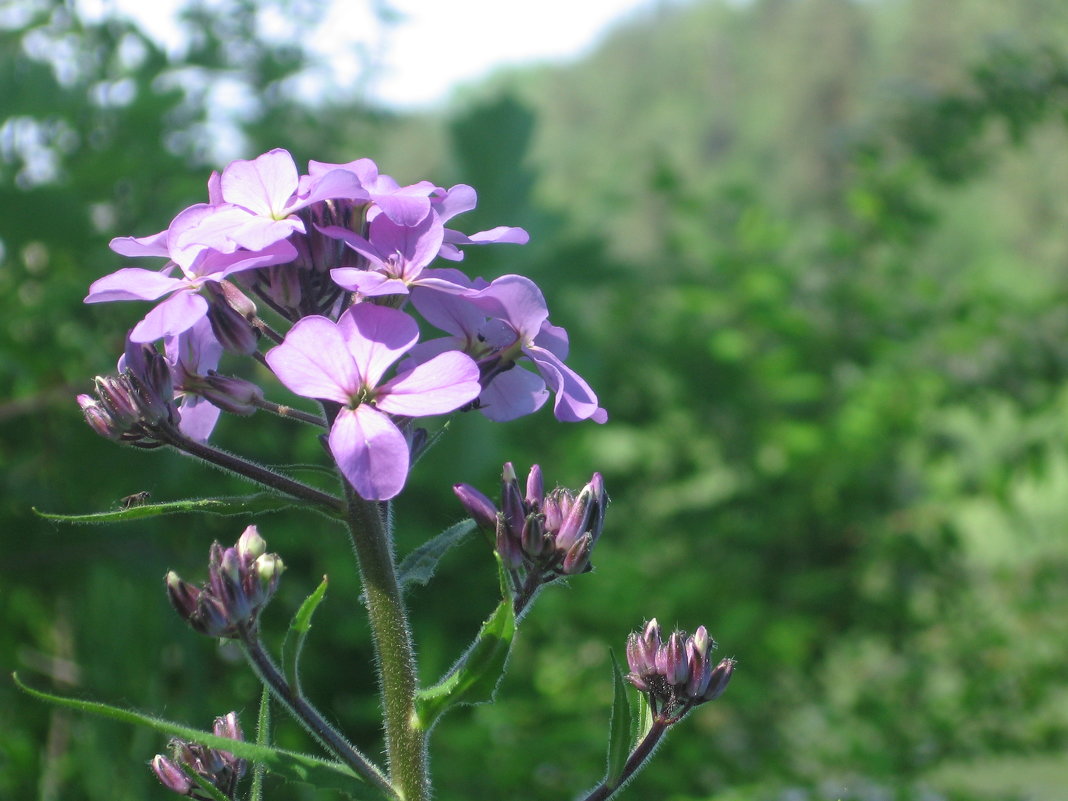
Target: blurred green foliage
<point>811,254</point>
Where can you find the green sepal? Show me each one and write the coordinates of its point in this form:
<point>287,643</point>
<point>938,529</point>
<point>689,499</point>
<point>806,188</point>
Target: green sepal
<point>474,678</point>
<point>257,503</point>
<point>205,786</point>
<point>290,765</point>
<point>418,566</point>
<point>619,729</point>
<point>299,627</point>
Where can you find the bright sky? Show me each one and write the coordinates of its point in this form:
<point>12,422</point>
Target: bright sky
<point>438,45</point>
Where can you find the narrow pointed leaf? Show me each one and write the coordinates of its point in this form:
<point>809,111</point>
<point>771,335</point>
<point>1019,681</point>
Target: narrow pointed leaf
<point>257,503</point>
<point>619,730</point>
<point>474,679</point>
<point>418,566</point>
<point>290,765</point>
<point>205,786</point>
<point>298,630</point>
<point>263,737</point>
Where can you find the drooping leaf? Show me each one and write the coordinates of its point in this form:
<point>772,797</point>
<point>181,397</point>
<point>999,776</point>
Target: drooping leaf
<point>257,503</point>
<point>418,566</point>
<point>474,678</point>
<point>619,730</point>
<point>290,765</point>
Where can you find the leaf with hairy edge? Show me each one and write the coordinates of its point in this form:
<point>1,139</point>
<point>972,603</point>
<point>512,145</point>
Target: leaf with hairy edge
<point>263,737</point>
<point>299,628</point>
<point>257,503</point>
<point>290,765</point>
<point>473,679</point>
<point>619,731</point>
<point>418,567</point>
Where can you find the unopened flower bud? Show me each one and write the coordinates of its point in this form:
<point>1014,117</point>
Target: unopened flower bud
<point>721,676</point>
<point>231,327</point>
<point>183,595</point>
<point>535,487</point>
<point>671,659</point>
<point>250,545</point>
<point>231,394</point>
<point>512,502</point>
<point>228,726</point>
<point>533,537</point>
<point>97,417</point>
<point>481,508</point>
<point>509,548</point>
<point>577,558</point>
<point>575,523</point>
<point>171,776</point>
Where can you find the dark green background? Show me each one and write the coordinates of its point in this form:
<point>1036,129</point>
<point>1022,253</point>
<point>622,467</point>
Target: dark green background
<point>812,255</point>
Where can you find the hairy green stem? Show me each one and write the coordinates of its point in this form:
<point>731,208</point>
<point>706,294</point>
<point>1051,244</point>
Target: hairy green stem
<point>642,751</point>
<point>397,675</point>
<point>309,716</point>
<point>258,473</point>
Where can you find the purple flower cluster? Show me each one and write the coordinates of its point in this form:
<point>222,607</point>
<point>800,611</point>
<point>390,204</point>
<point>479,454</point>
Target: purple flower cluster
<point>220,768</point>
<point>241,580</point>
<point>342,256</point>
<point>677,674</point>
<point>539,536</point>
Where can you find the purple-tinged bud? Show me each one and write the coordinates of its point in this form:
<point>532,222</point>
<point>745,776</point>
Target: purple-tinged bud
<point>698,666</point>
<point>512,509</point>
<point>212,617</point>
<point>283,286</point>
<point>231,394</point>
<point>119,400</point>
<point>671,659</point>
<point>250,545</point>
<point>267,569</point>
<point>535,487</point>
<point>230,327</point>
<point>97,417</point>
<point>721,676</point>
<point>509,548</point>
<point>550,508</point>
<point>182,595</point>
<point>577,558</point>
<point>701,641</point>
<point>649,642</point>
<point>481,508</point>
<point>533,537</point>
<point>598,505</point>
<point>228,726</point>
<point>171,776</point>
<point>575,523</point>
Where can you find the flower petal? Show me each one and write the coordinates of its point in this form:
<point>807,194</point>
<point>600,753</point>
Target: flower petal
<point>315,362</point>
<point>370,451</point>
<point>441,385</point>
<point>376,336</point>
<point>574,399</point>
<point>513,394</point>
<point>263,185</point>
<point>176,314</point>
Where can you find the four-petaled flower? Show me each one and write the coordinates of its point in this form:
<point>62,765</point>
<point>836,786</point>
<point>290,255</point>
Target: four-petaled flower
<point>344,362</point>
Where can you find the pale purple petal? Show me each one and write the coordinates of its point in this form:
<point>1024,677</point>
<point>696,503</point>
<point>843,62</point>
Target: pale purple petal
<point>314,362</point>
<point>415,245</point>
<point>256,233</point>
<point>368,283</point>
<point>500,234</point>
<point>132,283</point>
<point>516,299</point>
<point>554,339</point>
<point>456,200</point>
<point>176,314</point>
<point>453,314</point>
<point>354,241</point>
<point>370,451</point>
<point>194,351</point>
<point>574,399</point>
<point>441,385</point>
<point>154,245</point>
<point>513,394</point>
<point>263,185</point>
<point>376,336</point>
<point>198,417</point>
<point>332,184</point>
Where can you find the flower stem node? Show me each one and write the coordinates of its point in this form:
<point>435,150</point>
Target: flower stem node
<point>241,581</point>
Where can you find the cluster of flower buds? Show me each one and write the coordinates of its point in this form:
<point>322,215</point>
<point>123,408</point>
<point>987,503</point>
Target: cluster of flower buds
<point>678,674</point>
<point>135,407</point>
<point>221,768</point>
<point>539,536</point>
<point>241,580</point>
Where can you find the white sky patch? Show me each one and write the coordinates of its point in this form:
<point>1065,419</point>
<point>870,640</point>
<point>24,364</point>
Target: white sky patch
<point>435,47</point>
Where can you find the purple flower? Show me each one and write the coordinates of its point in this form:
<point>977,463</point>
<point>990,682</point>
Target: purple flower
<point>344,363</point>
<point>255,202</point>
<point>197,263</point>
<point>457,200</point>
<point>517,327</point>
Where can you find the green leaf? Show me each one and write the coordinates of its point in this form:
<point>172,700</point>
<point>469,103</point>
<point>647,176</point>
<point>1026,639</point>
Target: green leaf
<point>299,628</point>
<point>474,679</point>
<point>619,730</point>
<point>263,737</point>
<point>257,503</point>
<point>290,765</point>
<point>418,567</point>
